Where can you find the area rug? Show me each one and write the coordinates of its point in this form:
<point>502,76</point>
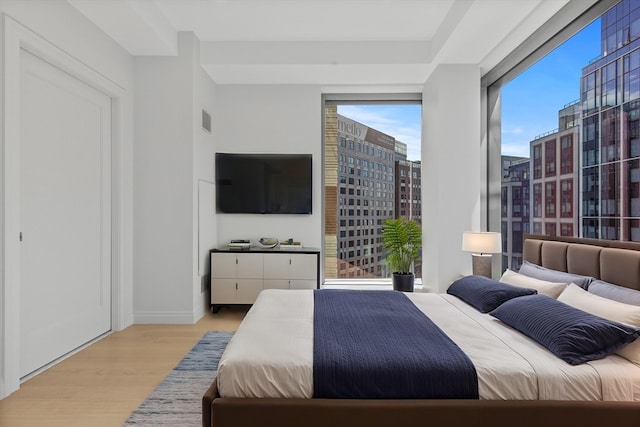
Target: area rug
<point>177,401</point>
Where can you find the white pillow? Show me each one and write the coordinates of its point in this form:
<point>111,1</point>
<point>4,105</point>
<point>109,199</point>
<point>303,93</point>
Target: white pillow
<point>543,287</point>
<point>628,314</point>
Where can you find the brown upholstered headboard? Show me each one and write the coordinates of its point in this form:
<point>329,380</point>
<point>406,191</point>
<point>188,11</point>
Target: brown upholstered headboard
<point>610,260</point>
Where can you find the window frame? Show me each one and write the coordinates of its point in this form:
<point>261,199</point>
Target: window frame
<point>567,22</point>
<point>327,99</point>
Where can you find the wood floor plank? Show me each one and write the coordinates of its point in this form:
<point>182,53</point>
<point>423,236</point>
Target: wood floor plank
<point>100,385</point>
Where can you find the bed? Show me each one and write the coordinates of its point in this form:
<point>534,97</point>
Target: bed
<point>524,391</point>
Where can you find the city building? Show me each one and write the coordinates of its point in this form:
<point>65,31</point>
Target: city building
<point>540,193</point>
<point>375,182</point>
<point>610,150</point>
<point>515,209</point>
<point>366,193</point>
<point>585,175</point>
<point>554,176</point>
<point>408,198</point>
<point>401,151</point>
<point>507,161</point>
<point>408,202</point>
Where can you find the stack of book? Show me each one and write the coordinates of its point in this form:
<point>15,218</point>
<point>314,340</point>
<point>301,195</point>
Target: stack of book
<point>240,243</point>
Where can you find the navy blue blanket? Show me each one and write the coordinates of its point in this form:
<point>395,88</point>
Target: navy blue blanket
<point>379,345</point>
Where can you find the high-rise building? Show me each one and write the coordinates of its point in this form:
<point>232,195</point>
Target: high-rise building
<point>408,201</point>
<point>540,193</point>
<point>610,149</point>
<point>408,198</point>
<point>554,176</point>
<point>366,190</point>
<point>375,182</point>
<point>401,151</point>
<point>515,209</point>
<point>507,161</point>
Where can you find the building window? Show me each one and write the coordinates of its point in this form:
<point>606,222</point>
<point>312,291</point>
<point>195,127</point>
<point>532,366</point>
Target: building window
<point>566,154</point>
<point>590,196</point>
<point>537,228</point>
<point>632,177</point>
<point>566,229</point>
<point>590,91</point>
<point>632,128</point>
<point>537,161</point>
<point>566,199</point>
<point>516,202</point>
<point>610,229</point>
<point>632,229</point>
<point>590,228</point>
<point>550,158</point>
<point>537,200</point>
<point>550,199</point>
<point>610,139</point>
<point>610,85</point>
<point>631,83</point>
<point>550,228</point>
<point>590,140</point>
<point>610,190</point>
<point>517,235</point>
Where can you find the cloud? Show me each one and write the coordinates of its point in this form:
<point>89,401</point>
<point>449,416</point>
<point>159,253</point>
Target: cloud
<point>372,116</point>
<point>403,122</point>
<point>520,149</point>
<point>517,130</point>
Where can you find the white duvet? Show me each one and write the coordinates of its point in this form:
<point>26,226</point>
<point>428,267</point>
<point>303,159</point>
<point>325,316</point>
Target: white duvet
<point>271,354</point>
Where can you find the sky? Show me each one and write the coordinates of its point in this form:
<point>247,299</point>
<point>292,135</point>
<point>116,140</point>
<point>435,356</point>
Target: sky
<point>403,122</point>
<point>530,102</point>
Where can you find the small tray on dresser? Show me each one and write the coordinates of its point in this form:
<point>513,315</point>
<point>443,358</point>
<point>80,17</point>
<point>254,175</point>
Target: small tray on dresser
<point>292,246</point>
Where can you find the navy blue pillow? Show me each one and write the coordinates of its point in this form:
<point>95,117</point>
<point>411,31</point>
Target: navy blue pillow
<point>485,294</point>
<point>573,335</point>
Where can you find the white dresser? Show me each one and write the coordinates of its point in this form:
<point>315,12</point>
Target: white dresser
<point>238,275</point>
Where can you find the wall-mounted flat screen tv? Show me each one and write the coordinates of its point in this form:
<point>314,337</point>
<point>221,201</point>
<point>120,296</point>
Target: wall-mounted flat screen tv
<point>263,183</point>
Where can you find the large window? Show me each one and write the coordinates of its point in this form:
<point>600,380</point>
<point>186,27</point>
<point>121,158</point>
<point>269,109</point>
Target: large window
<point>550,158</point>
<point>566,155</point>
<point>372,172</point>
<point>550,199</point>
<point>566,199</point>
<point>537,161</point>
<point>574,115</point>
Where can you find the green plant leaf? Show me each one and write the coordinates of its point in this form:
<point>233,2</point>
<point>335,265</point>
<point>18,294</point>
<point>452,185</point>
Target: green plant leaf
<point>403,239</point>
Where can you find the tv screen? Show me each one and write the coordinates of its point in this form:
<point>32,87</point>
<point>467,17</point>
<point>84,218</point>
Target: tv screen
<point>263,183</point>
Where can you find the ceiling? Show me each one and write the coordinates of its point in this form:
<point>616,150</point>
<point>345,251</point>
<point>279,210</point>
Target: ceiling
<point>325,42</point>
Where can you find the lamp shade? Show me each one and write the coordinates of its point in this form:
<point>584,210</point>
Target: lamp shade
<point>486,242</point>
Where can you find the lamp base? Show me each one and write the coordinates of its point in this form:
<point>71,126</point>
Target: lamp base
<point>482,264</point>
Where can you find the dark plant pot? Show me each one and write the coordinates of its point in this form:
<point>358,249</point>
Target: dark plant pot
<point>403,282</point>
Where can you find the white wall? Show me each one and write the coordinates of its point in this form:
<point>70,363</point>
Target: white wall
<point>275,118</point>
<point>204,97</point>
<point>171,156</point>
<point>67,36</point>
<point>68,29</point>
<point>271,119</point>
<point>451,176</point>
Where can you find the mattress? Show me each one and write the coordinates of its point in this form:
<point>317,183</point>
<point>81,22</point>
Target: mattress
<point>271,354</point>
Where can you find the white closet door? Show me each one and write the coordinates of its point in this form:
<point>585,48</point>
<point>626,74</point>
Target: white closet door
<point>65,213</point>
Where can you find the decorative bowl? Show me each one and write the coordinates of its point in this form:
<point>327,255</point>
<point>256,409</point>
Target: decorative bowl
<point>268,242</point>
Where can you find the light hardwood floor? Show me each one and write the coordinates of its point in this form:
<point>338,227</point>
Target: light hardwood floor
<point>102,384</point>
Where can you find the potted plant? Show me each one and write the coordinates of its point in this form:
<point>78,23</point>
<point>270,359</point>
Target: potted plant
<point>402,238</point>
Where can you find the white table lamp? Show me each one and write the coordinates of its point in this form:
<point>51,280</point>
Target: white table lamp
<point>481,245</point>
